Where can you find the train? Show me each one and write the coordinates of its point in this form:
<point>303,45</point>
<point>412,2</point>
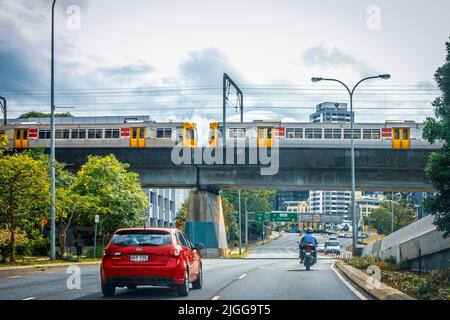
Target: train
<point>142,132</point>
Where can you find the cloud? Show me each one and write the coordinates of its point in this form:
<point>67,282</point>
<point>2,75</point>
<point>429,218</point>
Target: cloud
<point>206,67</point>
<point>130,70</point>
<point>325,56</point>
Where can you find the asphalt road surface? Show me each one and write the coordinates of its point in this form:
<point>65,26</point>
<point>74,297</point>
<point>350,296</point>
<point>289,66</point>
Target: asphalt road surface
<point>271,271</point>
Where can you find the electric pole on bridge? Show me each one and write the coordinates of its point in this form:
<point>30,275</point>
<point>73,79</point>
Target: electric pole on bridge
<point>4,110</point>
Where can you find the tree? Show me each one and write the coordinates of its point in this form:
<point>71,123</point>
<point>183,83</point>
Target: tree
<point>24,183</point>
<point>70,206</point>
<point>381,219</point>
<point>116,193</point>
<point>230,217</point>
<point>180,219</point>
<point>257,200</point>
<point>3,144</point>
<point>36,114</point>
<point>438,166</point>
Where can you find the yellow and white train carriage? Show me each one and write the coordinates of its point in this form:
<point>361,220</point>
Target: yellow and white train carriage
<point>99,132</point>
<point>391,134</point>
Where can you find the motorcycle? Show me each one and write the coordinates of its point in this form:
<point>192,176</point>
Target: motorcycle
<point>308,252</point>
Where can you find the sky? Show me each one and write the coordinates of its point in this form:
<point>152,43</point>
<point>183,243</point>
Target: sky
<point>165,58</point>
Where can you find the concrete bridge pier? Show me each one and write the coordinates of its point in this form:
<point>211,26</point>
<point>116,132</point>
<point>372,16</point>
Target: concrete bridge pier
<point>205,223</point>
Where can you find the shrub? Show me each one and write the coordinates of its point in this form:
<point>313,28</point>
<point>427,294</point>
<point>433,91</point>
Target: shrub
<point>22,242</point>
<point>362,262</point>
<point>40,247</point>
<point>98,252</point>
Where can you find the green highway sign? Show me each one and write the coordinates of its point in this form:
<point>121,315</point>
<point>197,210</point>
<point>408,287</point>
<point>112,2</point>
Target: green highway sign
<point>284,217</point>
<point>273,216</point>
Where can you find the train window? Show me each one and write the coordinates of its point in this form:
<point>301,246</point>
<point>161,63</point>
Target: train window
<point>62,134</point>
<point>367,134</point>
<point>269,133</point>
<point>375,133</point>
<point>18,134</point>
<point>397,134</point>
<point>356,134</point>
<point>309,133</point>
<point>142,133</point>
<point>112,133</point>
<point>163,133</point>
<point>337,133</point>
<point>44,134</point>
<point>78,134</point>
<point>95,133</point>
<point>294,133</point>
<point>262,133</point>
<point>405,134</point>
<point>238,133</point>
<point>328,134</point>
<point>317,133</point>
<point>25,134</point>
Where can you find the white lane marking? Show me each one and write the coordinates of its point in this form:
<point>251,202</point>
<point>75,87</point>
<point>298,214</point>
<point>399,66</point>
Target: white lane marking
<point>356,292</point>
<point>215,298</point>
<point>13,277</point>
<point>243,276</point>
<point>30,298</point>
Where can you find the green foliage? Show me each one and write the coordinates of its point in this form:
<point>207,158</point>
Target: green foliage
<point>36,114</point>
<point>257,200</point>
<point>180,220</point>
<point>98,252</point>
<point>404,214</point>
<point>114,192</point>
<point>3,144</point>
<point>40,246</point>
<point>438,166</point>
<point>24,186</point>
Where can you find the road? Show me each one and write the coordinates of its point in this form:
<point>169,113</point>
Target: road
<point>271,271</point>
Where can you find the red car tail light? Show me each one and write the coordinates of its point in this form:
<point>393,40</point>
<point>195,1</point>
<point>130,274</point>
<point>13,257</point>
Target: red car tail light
<point>176,250</point>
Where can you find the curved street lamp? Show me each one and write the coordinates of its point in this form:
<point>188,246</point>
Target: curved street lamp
<point>351,92</point>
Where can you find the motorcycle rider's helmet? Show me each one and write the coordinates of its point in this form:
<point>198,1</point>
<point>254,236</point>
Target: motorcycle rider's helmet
<point>309,230</point>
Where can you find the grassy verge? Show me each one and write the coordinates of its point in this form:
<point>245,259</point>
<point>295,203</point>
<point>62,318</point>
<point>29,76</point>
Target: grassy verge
<point>31,261</point>
<point>428,286</point>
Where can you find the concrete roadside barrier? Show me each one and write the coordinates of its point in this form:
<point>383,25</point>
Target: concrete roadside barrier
<point>370,285</point>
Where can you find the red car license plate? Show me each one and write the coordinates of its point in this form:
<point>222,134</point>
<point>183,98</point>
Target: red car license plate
<point>139,258</point>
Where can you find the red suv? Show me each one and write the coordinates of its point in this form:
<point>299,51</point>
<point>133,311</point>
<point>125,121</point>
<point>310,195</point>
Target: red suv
<point>151,256</point>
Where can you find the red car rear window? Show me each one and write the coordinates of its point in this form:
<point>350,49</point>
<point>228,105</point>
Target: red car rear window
<point>148,238</point>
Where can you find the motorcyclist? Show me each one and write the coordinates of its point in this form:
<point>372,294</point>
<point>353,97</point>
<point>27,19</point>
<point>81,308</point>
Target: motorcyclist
<point>308,238</point>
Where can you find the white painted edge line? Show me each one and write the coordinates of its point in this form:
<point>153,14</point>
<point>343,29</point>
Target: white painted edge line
<point>215,298</point>
<point>356,292</point>
<point>13,277</point>
<point>243,276</point>
<point>30,298</point>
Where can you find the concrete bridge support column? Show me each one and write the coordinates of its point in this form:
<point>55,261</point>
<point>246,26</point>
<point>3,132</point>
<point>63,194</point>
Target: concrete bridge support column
<point>205,223</point>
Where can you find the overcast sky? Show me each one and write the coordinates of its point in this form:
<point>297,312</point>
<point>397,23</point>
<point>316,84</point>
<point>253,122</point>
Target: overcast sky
<point>123,45</point>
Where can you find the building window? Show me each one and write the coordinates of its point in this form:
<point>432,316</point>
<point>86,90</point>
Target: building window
<point>163,133</point>
<point>62,134</point>
<point>95,133</point>
<point>78,134</point>
<point>239,133</point>
<point>112,133</point>
<point>44,134</point>
<point>294,133</point>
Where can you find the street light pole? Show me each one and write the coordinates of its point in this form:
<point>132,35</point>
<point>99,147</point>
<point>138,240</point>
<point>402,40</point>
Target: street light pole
<point>4,110</point>
<point>352,152</point>
<point>52,144</point>
<point>240,224</point>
